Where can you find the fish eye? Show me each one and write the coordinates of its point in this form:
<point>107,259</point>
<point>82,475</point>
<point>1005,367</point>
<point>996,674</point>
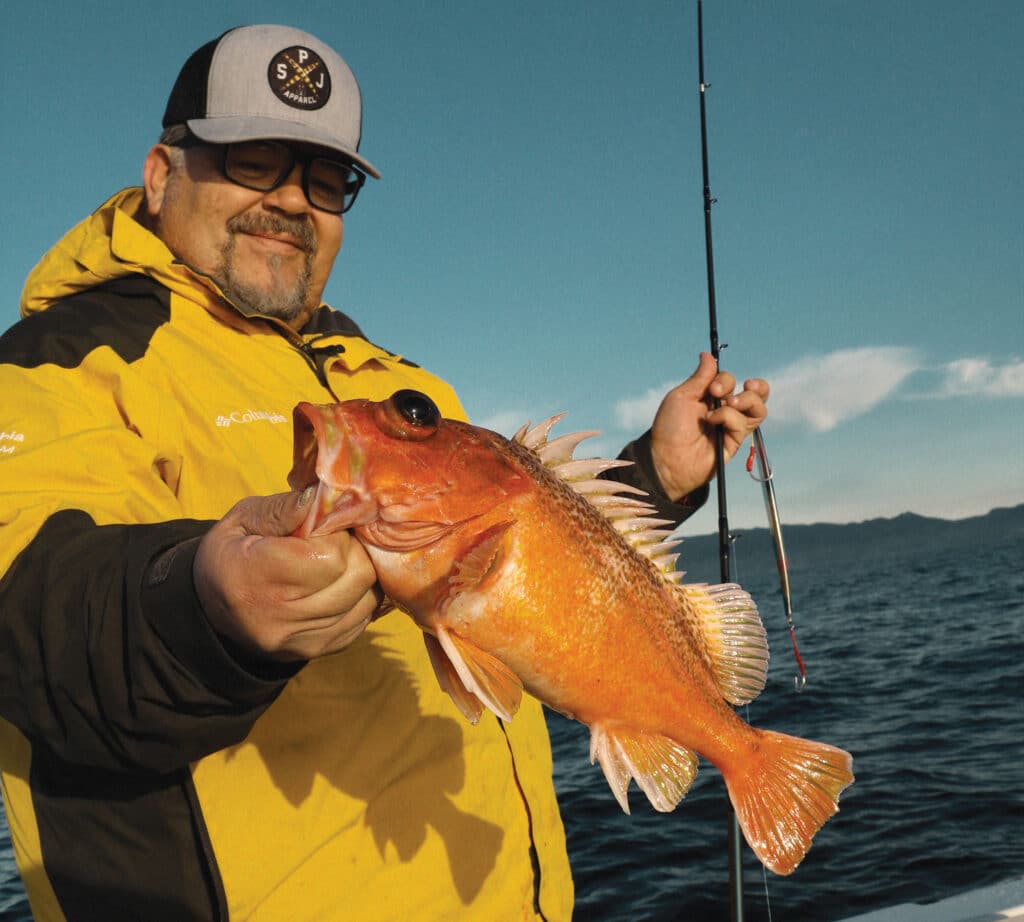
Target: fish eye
<point>408,415</point>
<point>416,408</point>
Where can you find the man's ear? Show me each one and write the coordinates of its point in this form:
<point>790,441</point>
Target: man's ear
<point>155,171</point>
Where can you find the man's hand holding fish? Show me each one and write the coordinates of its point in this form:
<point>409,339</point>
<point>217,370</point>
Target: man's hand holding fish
<point>280,596</point>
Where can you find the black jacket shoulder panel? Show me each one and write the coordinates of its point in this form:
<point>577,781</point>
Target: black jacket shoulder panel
<point>326,320</point>
<point>122,314</point>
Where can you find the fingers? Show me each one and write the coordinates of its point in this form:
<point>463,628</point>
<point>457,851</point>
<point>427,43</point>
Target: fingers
<point>758,386</point>
<point>740,414</point>
<point>708,380</point>
<point>749,403</point>
<point>283,596</point>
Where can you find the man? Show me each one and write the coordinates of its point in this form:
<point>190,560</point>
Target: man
<point>176,741</point>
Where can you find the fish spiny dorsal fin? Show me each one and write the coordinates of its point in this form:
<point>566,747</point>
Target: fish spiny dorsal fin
<point>734,635</point>
<point>597,487</point>
<point>651,538</point>
<point>631,515</point>
<point>559,450</point>
<point>538,435</point>
<point>521,433</point>
<point>626,507</point>
<point>585,468</point>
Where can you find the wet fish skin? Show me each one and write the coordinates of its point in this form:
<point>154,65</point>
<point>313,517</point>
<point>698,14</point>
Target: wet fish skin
<point>525,571</point>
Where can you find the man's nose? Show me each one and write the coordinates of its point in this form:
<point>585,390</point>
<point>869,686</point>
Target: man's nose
<point>289,197</point>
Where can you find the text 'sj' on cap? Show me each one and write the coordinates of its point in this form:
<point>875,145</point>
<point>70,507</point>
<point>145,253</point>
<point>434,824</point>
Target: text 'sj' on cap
<point>262,82</point>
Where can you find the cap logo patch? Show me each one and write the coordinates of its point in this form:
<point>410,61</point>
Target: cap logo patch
<point>299,78</point>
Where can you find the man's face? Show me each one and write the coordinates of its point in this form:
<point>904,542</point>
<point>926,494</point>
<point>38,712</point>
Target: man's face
<point>271,252</point>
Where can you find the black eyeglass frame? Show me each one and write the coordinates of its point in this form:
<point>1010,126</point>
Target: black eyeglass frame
<point>352,186</point>
<point>305,160</point>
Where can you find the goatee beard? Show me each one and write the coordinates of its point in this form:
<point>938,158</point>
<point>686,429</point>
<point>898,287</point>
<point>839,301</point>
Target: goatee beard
<point>279,300</point>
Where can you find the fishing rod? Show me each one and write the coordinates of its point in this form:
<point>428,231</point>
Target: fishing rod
<point>723,516</point>
<point>724,548</point>
<point>764,475</point>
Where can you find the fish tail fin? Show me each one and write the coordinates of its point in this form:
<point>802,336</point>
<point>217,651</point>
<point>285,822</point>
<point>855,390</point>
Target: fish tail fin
<point>785,792</point>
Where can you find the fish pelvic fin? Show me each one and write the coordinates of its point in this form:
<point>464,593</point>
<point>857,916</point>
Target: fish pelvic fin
<point>468,703</point>
<point>734,636</point>
<point>662,768</point>
<point>785,792</point>
<point>482,676</point>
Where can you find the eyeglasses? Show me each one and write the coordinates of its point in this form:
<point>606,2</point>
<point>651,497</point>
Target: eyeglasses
<point>330,185</point>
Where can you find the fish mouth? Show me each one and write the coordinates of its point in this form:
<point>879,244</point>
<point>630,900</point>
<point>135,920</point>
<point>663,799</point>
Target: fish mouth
<point>318,448</point>
<point>307,428</point>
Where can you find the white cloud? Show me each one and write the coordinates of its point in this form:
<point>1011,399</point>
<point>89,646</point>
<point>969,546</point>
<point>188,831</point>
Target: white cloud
<point>971,377</point>
<point>635,414</point>
<point>824,391</point>
<point>817,391</point>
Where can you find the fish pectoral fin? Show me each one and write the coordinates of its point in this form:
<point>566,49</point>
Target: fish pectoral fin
<point>480,560</point>
<point>482,675</point>
<point>663,769</point>
<point>734,638</point>
<point>450,682</point>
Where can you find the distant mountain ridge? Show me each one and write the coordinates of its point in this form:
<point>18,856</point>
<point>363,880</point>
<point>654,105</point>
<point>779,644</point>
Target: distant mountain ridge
<point>810,542</point>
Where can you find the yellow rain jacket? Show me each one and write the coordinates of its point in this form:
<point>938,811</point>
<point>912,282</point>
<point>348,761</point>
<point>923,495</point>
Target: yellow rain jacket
<point>147,772</point>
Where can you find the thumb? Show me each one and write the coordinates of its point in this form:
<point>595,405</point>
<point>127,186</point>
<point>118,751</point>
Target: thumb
<point>275,516</point>
<point>701,379</point>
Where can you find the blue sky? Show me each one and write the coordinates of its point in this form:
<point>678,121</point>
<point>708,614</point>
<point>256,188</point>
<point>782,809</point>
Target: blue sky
<point>537,237</point>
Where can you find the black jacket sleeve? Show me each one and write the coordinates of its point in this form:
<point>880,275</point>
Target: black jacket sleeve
<point>642,474</point>
<point>107,656</point>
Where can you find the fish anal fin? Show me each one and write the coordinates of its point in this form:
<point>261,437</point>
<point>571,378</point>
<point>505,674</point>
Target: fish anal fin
<point>450,682</point>
<point>662,768</point>
<point>483,557</point>
<point>784,792</point>
<point>484,676</point>
<point>734,637</point>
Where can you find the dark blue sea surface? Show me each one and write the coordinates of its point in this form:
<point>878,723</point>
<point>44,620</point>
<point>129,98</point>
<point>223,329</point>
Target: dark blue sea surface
<point>915,654</point>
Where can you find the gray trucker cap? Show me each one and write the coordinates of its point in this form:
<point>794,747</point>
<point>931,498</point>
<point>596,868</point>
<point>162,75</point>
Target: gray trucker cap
<point>262,82</point>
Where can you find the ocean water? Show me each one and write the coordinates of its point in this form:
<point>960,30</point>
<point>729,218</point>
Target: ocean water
<point>915,657</point>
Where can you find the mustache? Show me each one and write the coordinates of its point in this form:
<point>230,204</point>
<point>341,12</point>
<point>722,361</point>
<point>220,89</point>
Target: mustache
<point>299,228</point>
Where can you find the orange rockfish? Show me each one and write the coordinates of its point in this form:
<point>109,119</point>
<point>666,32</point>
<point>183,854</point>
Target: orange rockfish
<point>526,572</point>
